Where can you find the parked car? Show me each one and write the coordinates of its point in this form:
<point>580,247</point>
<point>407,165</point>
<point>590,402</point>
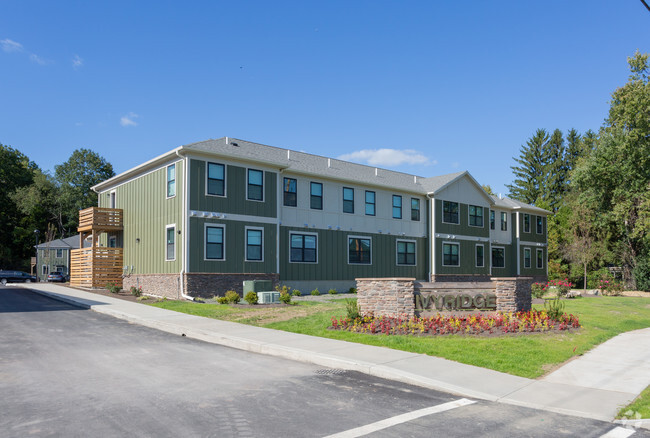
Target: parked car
<point>57,276</point>
<point>15,277</point>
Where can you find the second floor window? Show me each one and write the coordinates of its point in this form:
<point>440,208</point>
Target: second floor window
<point>526,223</point>
<point>216,179</point>
<point>450,212</point>
<point>540,225</point>
<point>504,221</point>
<point>171,181</point>
<point>255,185</point>
<point>370,203</point>
<point>492,220</point>
<point>290,192</point>
<point>348,200</point>
<point>415,209</point>
<point>475,216</point>
<point>397,207</point>
<point>316,196</point>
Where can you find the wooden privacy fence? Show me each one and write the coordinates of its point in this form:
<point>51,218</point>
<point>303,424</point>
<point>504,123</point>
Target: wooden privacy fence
<point>98,218</point>
<point>96,266</point>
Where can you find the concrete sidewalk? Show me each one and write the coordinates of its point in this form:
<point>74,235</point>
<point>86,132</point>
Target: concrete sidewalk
<point>594,386</point>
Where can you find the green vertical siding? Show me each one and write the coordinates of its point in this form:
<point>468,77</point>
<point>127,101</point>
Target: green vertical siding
<point>147,211</point>
<point>462,229</point>
<point>533,261</point>
<point>48,257</point>
<point>333,257</point>
<point>467,258</point>
<point>235,201</point>
<point>235,248</point>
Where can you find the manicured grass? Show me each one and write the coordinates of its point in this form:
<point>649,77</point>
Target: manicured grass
<point>522,355</point>
<point>640,405</point>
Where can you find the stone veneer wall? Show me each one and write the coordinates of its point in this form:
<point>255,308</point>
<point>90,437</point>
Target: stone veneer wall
<point>208,285</point>
<point>396,296</point>
<point>386,296</point>
<point>162,285</point>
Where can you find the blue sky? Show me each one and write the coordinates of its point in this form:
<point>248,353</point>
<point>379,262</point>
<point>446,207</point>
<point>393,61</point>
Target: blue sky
<point>436,86</point>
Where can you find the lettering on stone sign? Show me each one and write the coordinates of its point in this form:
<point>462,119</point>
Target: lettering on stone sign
<point>454,301</point>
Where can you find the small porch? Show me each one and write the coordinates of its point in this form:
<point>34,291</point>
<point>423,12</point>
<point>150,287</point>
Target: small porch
<point>97,265</point>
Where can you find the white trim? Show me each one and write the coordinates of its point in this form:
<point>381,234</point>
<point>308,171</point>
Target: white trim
<point>419,209</point>
<point>442,248</point>
<point>322,195</point>
<point>347,248</point>
<point>518,241</point>
<point>304,233</point>
<point>112,199</point>
<point>167,227</point>
<point>225,179</point>
<point>533,243</point>
<point>401,207</point>
<point>397,263</point>
<point>231,217</point>
<point>246,228</point>
<point>343,200</point>
<point>476,265</point>
<point>442,218</point>
<point>530,258</point>
<point>279,203</point>
<point>537,251</point>
<point>167,181</point>
<point>365,203</point>
<point>504,256</point>
<point>501,222</point>
<point>263,184</point>
<point>469,224</point>
<point>207,225</point>
<point>432,239</point>
<point>461,237</point>
<point>156,169</point>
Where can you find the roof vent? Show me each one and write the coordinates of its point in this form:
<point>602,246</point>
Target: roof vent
<point>329,162</point>
<point>234,144</point>
<point>288,154</point>
<point>500,196</point>
<point>376,171</point>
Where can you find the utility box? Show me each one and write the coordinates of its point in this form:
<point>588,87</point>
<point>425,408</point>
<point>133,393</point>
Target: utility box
<point>257,286</point>
<point>268,297</point>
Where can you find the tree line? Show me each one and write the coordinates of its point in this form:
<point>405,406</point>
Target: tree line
<point>33,199</point>
<point>598,187</point>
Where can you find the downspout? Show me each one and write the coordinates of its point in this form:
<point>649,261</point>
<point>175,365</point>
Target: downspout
<point>278,215</point>
<point>517,245</point>
<point>185,232</point>
<point>432,240</point>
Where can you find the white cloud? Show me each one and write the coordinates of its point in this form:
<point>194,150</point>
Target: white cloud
<point>37,59</point>
<point>387,157</point>
<point>128,120</point>
<point>77,62</point>
<point>11,46</point>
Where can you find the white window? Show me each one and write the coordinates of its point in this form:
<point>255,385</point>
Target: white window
<point>255,191</point>
<point>59,253</point>
<point>170,242</point>
<point>215,242</point>
<point>171,180</point>
<point>254,244</point>
<point>215,183</point>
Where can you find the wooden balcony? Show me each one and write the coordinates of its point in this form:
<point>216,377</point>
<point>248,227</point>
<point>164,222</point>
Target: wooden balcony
<point>94,267</point>
<point>100,219</point>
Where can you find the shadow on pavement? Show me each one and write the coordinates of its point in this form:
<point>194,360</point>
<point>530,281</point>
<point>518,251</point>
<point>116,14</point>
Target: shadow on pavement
<point>17,299</point>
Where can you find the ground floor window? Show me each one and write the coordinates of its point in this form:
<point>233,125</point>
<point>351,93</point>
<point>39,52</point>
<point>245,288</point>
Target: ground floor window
<point>170,253</point>
<point>526,257</point>
<point>214,242</point>
<point>45,270</point>
<point>405,252</point>
<point>450,254</point>
<point>303,248</point>
<point>359,250</point>
<point>480,262</point>
<point>498,257</point>
<point>254,244</point>
<point>540,258</point>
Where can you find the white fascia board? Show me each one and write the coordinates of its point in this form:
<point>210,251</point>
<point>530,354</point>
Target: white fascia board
<point>487,197</point>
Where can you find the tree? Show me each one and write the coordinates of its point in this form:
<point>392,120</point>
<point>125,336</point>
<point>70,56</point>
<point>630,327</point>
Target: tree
<point>531,171</point>
<point>488,189</point>
<point>76,176</point>
<point>41,201</point>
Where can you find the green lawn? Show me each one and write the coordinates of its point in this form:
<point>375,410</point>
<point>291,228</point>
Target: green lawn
<point>525,355</point>
<point>640,405</point>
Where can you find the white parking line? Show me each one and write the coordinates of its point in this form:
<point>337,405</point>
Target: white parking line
<point>399,419</point>
<point>618,432</point>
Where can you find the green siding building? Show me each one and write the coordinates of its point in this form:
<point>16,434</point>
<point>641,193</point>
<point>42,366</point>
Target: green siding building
<point>206,216</point>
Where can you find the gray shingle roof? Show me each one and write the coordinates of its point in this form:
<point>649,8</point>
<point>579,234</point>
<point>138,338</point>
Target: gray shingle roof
<point>514,204</point>
<point>67,243</point>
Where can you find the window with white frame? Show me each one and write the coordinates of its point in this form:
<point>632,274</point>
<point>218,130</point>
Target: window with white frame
<point>526,223</point>
<point>540,259</point>
<point>480,256</point>
<point>59,253</point>
<point>415,209</point>
<point>406,252</point>
<point>370,203</point>
<point>170,245</point>
<point>498,257</point>
<point>254,244</point>
<point>348,200</point>
<point>215,242</point>
<point>504,221</point>
<point>111,199</point>
<point>397,207</point>
<point>316,196</point>
<point>450,254</point>
<point>527,258</point>
<point>255,190</point>
<point>171,180</point>
<point>304,247</point>
<point>450,212</point>
<point>540,225</point>
<point>359,249</point>
<point>475,216</point>
<point>216,179</point>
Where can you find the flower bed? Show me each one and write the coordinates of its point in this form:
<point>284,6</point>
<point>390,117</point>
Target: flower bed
<point>533,321</point>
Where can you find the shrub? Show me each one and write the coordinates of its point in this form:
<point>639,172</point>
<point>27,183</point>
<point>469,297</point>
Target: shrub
<point>251,298</point>
<point>283,290</point>
<point>352,290</point>
<point>538,290</point>
<point>315,292</point>
<point>610,287</point>
<point>222,300</point>
<point>332,292</point>
<point>136,291</point>
<point>554,308</point>
<point>232,297</point>
<point>352,309</point>
<point>642,274</point>
<point>285,297</point>
<point>296,293</point>
<point>113,288</point>
<point>563,286</point>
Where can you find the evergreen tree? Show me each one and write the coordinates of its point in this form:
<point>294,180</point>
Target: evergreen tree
<point>531,170</point>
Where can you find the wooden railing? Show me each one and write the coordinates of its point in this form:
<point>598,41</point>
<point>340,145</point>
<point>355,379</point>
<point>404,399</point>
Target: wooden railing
<point>95,267</point>
<point>96,218</point>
